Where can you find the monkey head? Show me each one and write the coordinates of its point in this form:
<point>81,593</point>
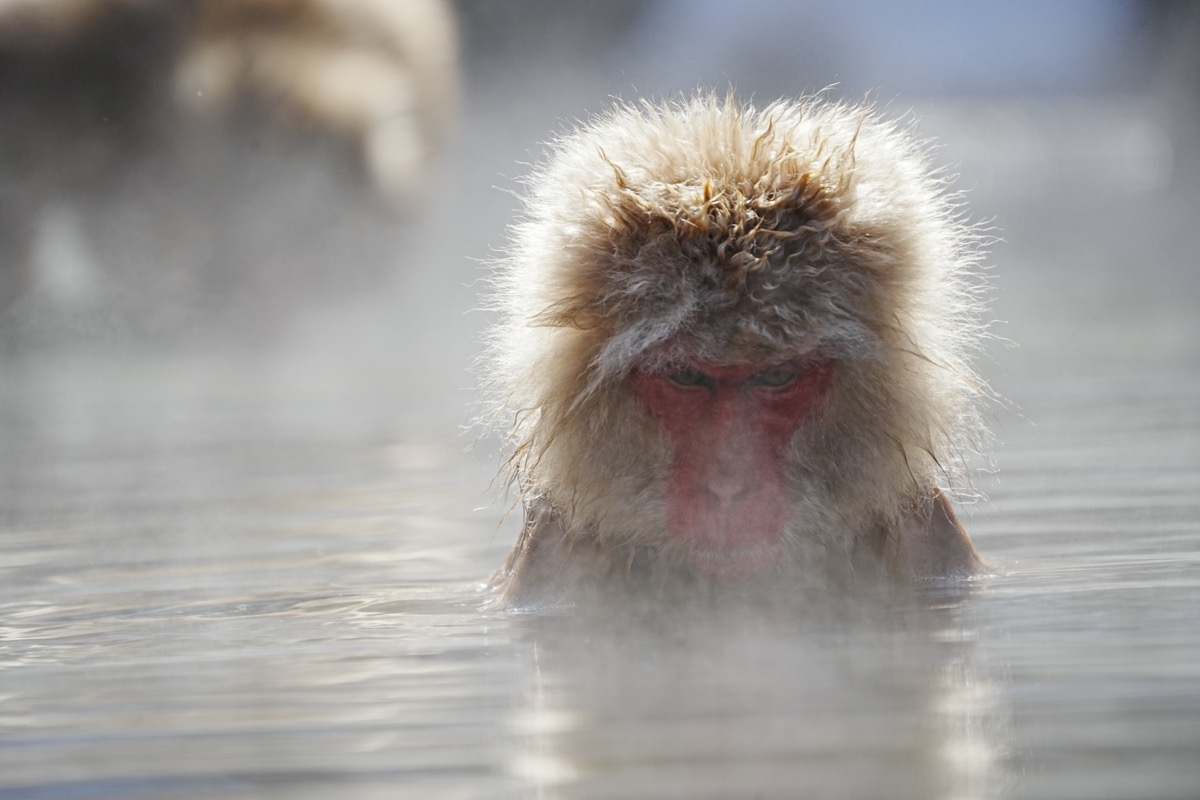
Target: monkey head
<point>733,340</point>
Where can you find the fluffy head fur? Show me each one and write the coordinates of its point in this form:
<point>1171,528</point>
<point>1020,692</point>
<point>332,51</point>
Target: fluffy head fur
<point>716,231</point>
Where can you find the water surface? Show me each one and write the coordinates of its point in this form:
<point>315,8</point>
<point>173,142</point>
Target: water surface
<point>215,584</point>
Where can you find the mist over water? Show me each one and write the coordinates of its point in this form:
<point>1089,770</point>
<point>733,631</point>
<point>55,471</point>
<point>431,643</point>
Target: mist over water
<point>243,523</point>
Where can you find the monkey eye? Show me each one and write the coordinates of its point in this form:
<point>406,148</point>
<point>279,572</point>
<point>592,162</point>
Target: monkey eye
<point>688,377</point>
<point>773,378</point>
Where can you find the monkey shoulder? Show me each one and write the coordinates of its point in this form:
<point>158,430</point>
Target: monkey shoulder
<point>932,543</point>
<point>548,566</point>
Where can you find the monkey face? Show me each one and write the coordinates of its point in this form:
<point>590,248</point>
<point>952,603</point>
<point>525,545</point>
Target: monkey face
<point>727,503</point>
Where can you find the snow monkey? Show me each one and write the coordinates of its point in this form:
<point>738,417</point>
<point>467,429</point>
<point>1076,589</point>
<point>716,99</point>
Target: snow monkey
<point>733,349</point>
<point>381,73</point>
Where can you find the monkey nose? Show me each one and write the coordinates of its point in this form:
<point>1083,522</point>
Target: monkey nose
<point>726,491</point>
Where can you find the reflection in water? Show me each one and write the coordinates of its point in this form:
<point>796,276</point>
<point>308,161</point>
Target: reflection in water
<point>750,702</point>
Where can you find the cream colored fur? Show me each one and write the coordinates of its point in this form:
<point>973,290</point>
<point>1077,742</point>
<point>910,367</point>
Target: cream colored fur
<point>743,235</point>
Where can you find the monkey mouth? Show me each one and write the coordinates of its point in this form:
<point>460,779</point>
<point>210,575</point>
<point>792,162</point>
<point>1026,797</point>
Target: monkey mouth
<point>729,565</point>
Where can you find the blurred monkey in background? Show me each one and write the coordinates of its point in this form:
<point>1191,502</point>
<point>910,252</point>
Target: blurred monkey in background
<point>381,73</point>
<point>137,132</point>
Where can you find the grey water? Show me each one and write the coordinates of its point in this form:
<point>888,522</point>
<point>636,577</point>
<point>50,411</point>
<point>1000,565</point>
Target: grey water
<point>268,593</point>
<point>253,570</point>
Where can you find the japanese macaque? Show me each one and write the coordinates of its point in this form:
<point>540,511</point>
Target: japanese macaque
<point>81,99</point>
<point>733,350</point>
<point>382,74</point>
<point>163,160</point>
<point>379,72</point>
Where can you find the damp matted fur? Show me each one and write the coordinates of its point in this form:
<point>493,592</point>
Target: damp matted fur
<point>712,230</point>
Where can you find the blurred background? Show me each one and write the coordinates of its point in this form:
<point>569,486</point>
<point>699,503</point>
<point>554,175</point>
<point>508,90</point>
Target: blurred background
<point>239,174</point>
<point>243,249</point>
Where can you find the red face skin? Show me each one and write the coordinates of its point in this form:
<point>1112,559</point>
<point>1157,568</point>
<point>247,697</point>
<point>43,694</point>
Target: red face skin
<point>730,425</point>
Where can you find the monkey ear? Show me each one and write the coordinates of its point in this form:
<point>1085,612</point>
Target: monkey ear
<point>932,543</point>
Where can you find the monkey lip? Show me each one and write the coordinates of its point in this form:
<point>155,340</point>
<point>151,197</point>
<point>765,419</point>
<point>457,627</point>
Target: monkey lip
<point>734,564</point>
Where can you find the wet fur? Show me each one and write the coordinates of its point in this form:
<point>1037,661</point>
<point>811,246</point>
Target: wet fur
<point>804,227</point>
